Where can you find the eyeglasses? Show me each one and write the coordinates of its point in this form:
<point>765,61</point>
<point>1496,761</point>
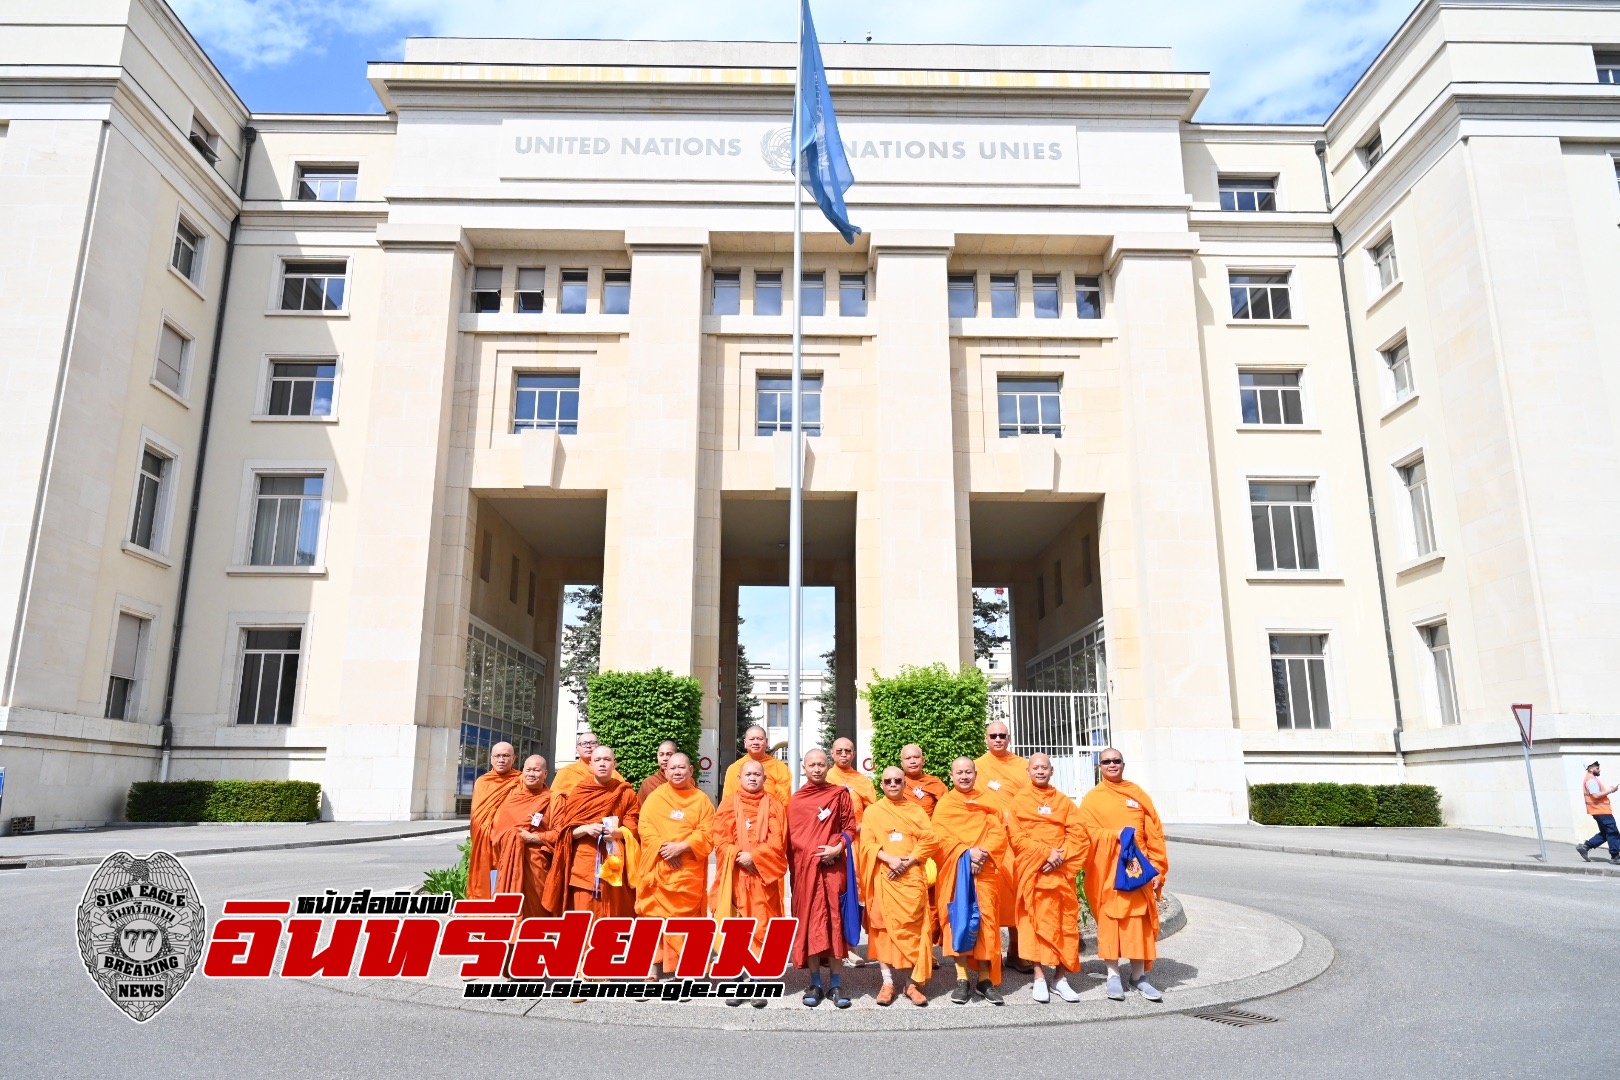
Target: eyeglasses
<point>1113,761</point>
<point>993,735</point>
<point>894,780</point>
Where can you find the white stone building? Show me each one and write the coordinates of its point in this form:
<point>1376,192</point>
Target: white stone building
<point>1296,445</point>
<point>771,690</point>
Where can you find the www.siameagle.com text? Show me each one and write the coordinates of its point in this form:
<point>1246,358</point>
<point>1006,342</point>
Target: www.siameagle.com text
<point>667,990</point>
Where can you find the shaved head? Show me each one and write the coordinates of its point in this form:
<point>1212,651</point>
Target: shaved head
<point>679,770</point>
<point>1040,770</point>
<point>602,762</point>
<point>912,760</point>
<point>754,740</point>
<point>501,757</point>
<point>843,752</point>
<point>964,774</point>
<point>816,765</point>
<point>752,776</point>
<point>534,773</point>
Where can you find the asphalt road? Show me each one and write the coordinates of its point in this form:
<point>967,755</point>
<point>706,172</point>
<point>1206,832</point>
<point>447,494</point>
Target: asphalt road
<point>1441,972</point>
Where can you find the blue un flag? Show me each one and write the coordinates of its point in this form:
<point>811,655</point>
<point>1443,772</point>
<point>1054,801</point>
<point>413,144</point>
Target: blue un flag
<point>823,169</point>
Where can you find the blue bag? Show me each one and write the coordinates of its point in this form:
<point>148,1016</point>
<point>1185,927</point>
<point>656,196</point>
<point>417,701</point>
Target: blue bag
<point>964,908</point>
<point>849,901</point>
<point>1134,870</point>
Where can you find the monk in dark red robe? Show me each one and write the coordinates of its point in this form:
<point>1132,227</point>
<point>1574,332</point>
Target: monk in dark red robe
<point>818,815</point>
<point>593,829</point>
<point>666,750</point>
<point>489,792</point>
<point>522,855</point>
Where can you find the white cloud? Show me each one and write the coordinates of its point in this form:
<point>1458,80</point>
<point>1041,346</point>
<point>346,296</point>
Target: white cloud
<point>1278,60</point>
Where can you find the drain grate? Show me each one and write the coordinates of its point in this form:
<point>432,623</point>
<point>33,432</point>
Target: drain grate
<point>1235,1017</point>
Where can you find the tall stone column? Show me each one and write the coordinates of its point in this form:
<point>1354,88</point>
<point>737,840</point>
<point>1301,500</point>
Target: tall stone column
<point>913,568</point>
<point>661,573</point>
<point>1170,692</point>
<point>393,755</point>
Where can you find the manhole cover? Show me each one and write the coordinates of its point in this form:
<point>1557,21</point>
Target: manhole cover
<point>1235,1017</point>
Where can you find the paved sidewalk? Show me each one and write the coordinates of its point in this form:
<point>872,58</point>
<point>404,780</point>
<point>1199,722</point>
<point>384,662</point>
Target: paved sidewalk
<point>88,846</point>
<point>1441,847</point>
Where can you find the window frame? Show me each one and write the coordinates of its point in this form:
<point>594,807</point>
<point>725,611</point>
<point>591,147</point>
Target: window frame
<point>199,254</point>
<point>846,280</point>
<point>727,278</point>
<point>519,293</point>
<point>613,278</point>
<point>299,180</point>
<point>1259,392</point>
<point>1287,287</point>
<point>295,709</point>
<point>1007,379</point>
<point>957,285</point>
<point>1382,256</point>
<point>1371,149</point>
<point>479,296</point>
<point>1053,283</point>
<point>1442,693</point>
<point>182,392</point>
<point>555,424</point>
<point>147,613</point>
<point>1238,184</point>
<point>762,288</point>
<point>1393,396</point>
<point>163,517</point>
<point>1089,282</point>
<point>811,428</point>
<point>999,288</point>
<point>279,279</point>
<point>814,281</point>
<point>1328,691</point>
<point>267,364</point>
<point>247,515</point>
<point>569,276</point>
<point>1607,62</point>
<point>1419,506</point>
<point>1319,529</point>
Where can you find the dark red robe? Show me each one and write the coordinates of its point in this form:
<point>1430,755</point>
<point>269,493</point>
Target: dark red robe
<point>815,887</point>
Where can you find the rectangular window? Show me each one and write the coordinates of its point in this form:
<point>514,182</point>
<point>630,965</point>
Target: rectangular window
<point>1029,407</point>
<point>1004,296</point>
<point>1399,362</point>
<point>813,295</point>
<point>1046,296</point>
<point>1260,296</point>
<point>1415,478</point>
<point>774,404</point>
<point>615,292</point>
<point>269,676</point>
<point>1057,583</point>
<point>173,356</point>
<point>204,138</point>
<point>1438,639</point>
<point>531,290</point>
<point>1087,298</point>
<point>574,285</point>
<point>1040,596</point>
<point>146,523</point>
<point>533,583</point>
<point>327,183</point>
<point>287,520</point>
<point>547,403</point>
<point>725,297</point>
<point>1608,67</point>
<point>486,289</point>
<point>767,292</point>
<point>512,586</point>
<point>1271,397</point>
<point>1383,257</point>
<point>300,388</point>
<point>852,295</point>
<point>776,714</point>
<point>313,286</point>
<point>1284,521</point>
<point>486,556</point>
<point>187,254</point>
<point>963,290</point>
<point>1371,150</point>
<point>1248,194</point>
<point>1299,680</point>
<point>121,678</point>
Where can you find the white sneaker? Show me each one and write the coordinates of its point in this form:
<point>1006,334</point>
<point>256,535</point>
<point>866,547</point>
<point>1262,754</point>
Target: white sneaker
<point>1038,991</point>
<point>1065,991</point>
<point>853,961</point>
<point>1147,990</point>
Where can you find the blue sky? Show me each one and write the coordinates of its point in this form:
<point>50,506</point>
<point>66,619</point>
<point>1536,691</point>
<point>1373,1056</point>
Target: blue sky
<point>1274,61</point>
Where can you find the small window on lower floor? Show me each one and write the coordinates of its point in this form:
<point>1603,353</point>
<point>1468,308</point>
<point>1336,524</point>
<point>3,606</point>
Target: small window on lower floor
<point>121,680</point>
<point>300,388</point>
<point>1271,397</point>
<point>173,358</point>
<point>269,676</point>
<point>147,524</point>
<point>1299,680</point>
<point>287,520</point>
<point>1437,636</point>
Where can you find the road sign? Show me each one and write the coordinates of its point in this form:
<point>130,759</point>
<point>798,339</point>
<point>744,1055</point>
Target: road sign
<point>1524,714</point>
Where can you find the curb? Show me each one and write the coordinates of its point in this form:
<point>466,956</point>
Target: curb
<point>1386,856</point>
<point>95,860</point>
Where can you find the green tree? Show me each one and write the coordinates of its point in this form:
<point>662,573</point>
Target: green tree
<point>827,702</point>
<point>582,642</point>
<point>747,703</point>
<point>942,712</point>
<point>989,617</point>
<point>634,711</point>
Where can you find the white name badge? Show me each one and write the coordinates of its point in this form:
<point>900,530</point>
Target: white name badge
<point>1133,804</point>
<point>824,813</point>
<point>747,824</point>
<point>534,820</point>
<point>995,785</point>
<point>1044,810</point>
<point>677,815</point>
<point>917,791</point>
<point>895,838</point>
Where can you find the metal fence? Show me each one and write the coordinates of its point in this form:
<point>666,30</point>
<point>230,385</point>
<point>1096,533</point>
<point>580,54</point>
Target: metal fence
<point>1070,728</point>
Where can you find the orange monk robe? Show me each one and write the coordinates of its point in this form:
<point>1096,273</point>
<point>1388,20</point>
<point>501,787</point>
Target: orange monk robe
<point>861,792</point>
<point>1127,923</point>
<point>675,815</point>
<point>1002,773</point>
<point>925,791</point>
<point>489,792</point>
<point>573,774</point>
<point>650,785</point>
<point>974,820</point>
<point>521,867</point>
<point>778,777</point>
<point>899,917</point>
<point>756,824</point>
<point>1047,912</point>
<point>572,879</point>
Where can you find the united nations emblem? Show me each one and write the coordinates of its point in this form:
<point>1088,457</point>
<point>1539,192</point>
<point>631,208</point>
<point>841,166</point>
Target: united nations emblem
<point>776,147</point>
<point>141,931</point>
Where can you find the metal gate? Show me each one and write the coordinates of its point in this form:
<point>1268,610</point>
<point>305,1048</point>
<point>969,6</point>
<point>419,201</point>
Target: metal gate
<point>1070,728</point>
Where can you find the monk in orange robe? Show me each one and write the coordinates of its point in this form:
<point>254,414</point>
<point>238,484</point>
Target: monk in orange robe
<point>778,777</point>
<point>579,770</point>
<point>1127,922</point>
<point>921,788</point>
<point>818,815</point>
<point>1049,850</point>
<point>969,820</point>
<point>1003,773</point>
<point>843,773</point>
<point>677,834</point>
<point>666,750</point>
<point>489,792</point>
<point>591,829</point>
<point>897,840</point>
<point>522,855</point>
<point>750,854</point>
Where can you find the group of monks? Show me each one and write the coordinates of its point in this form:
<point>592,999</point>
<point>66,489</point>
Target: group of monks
<point>1000,848</point>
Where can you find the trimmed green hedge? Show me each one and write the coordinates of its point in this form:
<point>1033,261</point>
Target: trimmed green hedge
<point>634,711</point>
<point>224,800</point>
<point>942,712</point>
<point>1383,805</point>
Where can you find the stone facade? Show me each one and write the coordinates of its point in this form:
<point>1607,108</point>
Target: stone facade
<point>509,360</point>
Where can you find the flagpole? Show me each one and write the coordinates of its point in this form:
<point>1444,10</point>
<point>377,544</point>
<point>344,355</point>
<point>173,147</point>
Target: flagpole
<point>796,491</point>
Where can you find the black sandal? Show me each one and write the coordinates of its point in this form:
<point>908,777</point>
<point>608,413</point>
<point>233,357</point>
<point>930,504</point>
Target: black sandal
<point>840,999</point>
<point>813,997</point>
